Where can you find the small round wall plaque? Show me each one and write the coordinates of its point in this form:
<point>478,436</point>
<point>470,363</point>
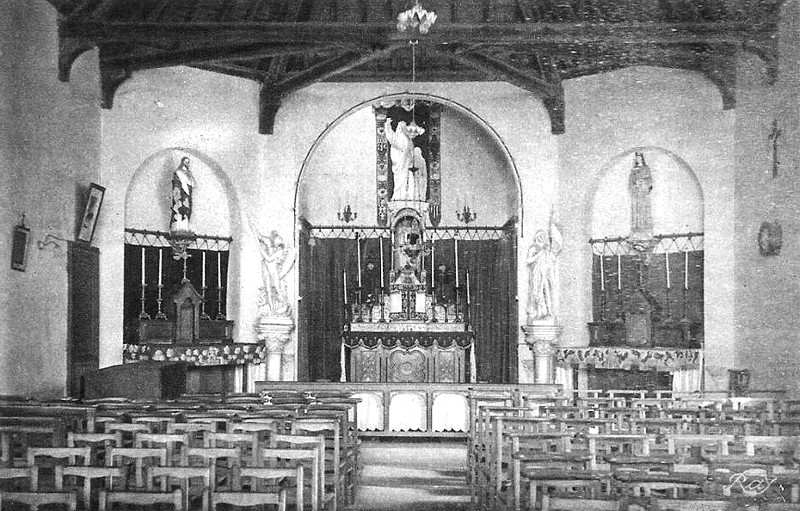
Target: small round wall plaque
<point>770,239</point>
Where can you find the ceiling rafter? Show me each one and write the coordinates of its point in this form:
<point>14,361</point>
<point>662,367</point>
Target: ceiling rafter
<point>273,92</point>
<point>549,88</point>
<point>286,45</point>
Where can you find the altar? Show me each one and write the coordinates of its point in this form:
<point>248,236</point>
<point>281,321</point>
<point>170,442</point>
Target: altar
<point>383,352</point>
<point>405,334</point>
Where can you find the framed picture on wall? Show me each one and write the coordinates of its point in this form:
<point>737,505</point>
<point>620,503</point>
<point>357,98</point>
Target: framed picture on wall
<point>89,220</point>
<point>19,247</point>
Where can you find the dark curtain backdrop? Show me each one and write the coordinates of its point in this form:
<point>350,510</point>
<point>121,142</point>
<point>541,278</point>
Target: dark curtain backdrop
<point>492,267</point>
<point>670,300</point>
<point>172,274</point>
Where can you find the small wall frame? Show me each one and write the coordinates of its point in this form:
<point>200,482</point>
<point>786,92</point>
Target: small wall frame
<point>89,220</point>
<point>19,247</point>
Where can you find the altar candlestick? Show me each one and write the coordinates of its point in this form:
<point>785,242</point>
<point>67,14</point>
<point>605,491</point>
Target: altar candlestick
<point>686,270</point>
<point>159,266</point>
<point>433,264</point>
<point>358,246</point>
<point>203,282</point>
<point>467,287</point>
<point>602,274</point>
<point>143,266</point>
<point>666,258</point>
<point>219,270</point>
<point>344,280</point>
<point>619,272</point>
<point>456,250</point>
<point>381,251</point>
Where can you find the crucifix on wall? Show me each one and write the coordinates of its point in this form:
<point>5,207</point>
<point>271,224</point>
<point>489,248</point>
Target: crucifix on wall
<point>773,137</point>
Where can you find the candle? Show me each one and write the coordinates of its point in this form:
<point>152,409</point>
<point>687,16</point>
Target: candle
<point>381,251</point>
<point>159,266</point>
<point>602,274</point>
<point>358,245</point>
<point>203,281</point>
<point>686,270</point>
<point>619,271</point>
<point>433,264</point>
<point>666,258</point>
<point>456,250</point>
<point>219,271</point>
<point>467,287</point>
<point>344,280</point>
<point>142,266</point>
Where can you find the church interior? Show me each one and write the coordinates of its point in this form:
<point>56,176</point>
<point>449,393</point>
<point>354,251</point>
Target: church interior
<point>535,250</point>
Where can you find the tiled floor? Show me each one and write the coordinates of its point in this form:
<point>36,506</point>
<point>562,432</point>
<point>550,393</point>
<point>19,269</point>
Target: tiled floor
<point>412,476</point>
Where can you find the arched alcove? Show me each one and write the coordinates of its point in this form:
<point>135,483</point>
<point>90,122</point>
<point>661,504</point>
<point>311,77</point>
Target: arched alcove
<point>677,200</point>
<point>149,195</point>
<point>214,219</point>
<point>477,170</point>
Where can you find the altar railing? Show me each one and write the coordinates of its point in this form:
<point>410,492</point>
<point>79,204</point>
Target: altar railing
<point>416,409</point>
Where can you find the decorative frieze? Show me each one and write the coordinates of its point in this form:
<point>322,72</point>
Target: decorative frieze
<point>227,354</point>
<point>628,358</point>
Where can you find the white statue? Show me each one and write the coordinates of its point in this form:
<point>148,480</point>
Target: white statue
<point>182,186</point>
<point>542,277</point>
<point>276,262</point>
<point>408,165</point>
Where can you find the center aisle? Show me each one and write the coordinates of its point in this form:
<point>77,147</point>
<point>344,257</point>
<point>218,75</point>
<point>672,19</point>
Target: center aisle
<point>413,475</point>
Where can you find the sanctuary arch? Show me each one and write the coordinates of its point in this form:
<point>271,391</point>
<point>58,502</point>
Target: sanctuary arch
<point>408,207</point>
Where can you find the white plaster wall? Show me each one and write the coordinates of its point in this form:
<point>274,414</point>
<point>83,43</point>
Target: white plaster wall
<point>680,112</point>
<point>49,151</point>
<point>768,288</point>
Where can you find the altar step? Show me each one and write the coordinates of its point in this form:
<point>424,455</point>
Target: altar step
<point>412,475</point>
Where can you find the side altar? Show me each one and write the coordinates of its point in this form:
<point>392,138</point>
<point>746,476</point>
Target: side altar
<point>405,334</point>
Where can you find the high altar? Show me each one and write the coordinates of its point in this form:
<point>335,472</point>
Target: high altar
<point>405,335</point>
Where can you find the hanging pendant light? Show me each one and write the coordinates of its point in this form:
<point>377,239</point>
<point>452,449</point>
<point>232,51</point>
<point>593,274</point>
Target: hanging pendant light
<point>416,19</point>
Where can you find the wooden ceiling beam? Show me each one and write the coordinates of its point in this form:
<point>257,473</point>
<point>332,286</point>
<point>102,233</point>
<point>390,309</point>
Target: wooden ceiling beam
<point>197,56</point>
<point>549,88</point>
<point>274,90</point>
<point>533,34</point>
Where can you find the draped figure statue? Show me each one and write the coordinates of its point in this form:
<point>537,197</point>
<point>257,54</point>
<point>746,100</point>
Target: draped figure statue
<point>182,186</point>
<point>408,165</point>
<point>542,278</point>
<point>276,262</point>
<point>640,184</point>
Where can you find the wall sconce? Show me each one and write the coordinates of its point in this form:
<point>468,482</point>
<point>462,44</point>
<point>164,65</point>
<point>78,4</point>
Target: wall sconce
<point>347,214</point>
<point>466,215</point>
<point>49,239</point>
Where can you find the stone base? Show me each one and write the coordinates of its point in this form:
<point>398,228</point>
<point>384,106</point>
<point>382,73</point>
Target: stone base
<point>275,333</point>
<point>542,339</point>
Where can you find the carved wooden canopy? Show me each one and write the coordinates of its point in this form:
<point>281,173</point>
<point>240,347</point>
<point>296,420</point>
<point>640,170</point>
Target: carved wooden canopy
<point>286,45</point>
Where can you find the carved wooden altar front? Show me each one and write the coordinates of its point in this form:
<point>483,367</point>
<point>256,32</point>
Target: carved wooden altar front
<point>378,352</point>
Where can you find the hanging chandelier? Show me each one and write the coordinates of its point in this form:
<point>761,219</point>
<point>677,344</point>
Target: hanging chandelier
<point>416,19</point>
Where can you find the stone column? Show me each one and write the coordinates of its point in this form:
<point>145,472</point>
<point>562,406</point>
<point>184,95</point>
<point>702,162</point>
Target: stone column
<point>543,341</point>
<point>275,332</point>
